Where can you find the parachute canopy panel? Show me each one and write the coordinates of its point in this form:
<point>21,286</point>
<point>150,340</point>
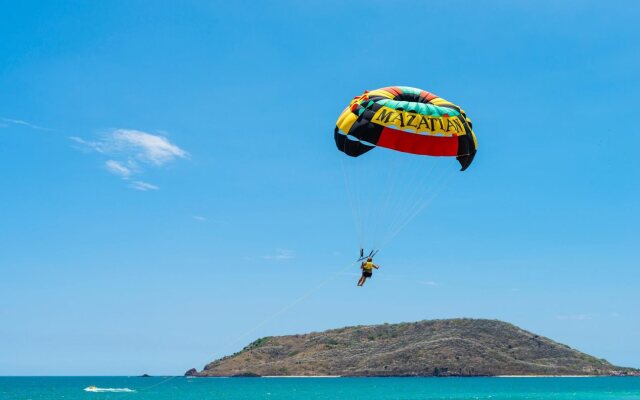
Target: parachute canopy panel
<point>408,120</point>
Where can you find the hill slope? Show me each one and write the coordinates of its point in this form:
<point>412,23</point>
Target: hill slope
<point>455,347</point>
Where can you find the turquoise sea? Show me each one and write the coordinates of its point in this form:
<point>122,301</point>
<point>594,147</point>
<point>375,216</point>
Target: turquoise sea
<point>180,388</point>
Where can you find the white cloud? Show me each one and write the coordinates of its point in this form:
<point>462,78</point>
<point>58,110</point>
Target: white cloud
<point>427,283</point>
<point>97,146</point>
<point>129,149</point>
<point>154,149</point>
<point>199,218</point>
<point>135,145</point>
<point>10,121</point>
<point>280,255</point>
<point>143,186</point>
<point>117,168</point>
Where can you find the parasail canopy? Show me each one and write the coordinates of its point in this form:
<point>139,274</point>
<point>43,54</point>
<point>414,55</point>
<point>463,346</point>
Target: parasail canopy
<point>408,120</point>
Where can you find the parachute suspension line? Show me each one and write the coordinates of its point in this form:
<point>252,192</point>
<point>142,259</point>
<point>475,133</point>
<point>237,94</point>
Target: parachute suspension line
<point>443,180</point>
<point>425,198</point>
<point>385,207</point>
<point>408,220</point>
<point>352,177</point>
<point>393,176</point>
<point>408,182</point>
<point>385,190</point>
<point>286,308</point>
<point>416,190</point>
<point>355,207</point>
<point>409,190</point>
<point>363,204</point>
<point>413,183</point>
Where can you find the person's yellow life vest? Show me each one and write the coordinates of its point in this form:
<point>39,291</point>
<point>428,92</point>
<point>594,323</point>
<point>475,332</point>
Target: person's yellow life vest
<point>368,266</point>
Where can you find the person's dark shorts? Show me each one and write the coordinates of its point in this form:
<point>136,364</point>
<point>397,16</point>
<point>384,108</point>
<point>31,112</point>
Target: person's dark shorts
<point>367,274</point>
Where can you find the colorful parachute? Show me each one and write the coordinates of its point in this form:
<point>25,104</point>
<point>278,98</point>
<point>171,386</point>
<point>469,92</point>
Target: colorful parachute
<point>406,119</point>
<point>388,189</point>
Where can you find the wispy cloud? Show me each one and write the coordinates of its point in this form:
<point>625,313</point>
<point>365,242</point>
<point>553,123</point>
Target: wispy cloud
<point>129,150</point>
<point>574,317</point>
<point>154,149</point>
<point>7,122</point>
<point>143,186</point>
<point>117,168</point>
<point>136,145</point>
<point>280,255</point>
<point>427,283</point>
<point>199,218</point>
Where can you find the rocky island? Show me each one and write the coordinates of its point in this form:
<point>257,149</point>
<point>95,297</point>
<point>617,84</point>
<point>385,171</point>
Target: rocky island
<point>450,347</point>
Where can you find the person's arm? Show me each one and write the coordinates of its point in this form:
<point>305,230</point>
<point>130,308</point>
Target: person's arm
<point>376,266</point>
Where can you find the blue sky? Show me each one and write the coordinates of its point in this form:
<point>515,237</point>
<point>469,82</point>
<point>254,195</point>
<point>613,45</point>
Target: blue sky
<point>170,182</point>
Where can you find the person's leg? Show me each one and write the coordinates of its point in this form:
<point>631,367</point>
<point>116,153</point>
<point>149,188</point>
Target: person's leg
<point>361,281</point>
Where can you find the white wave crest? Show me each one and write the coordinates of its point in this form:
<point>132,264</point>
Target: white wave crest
<point>111,390</point>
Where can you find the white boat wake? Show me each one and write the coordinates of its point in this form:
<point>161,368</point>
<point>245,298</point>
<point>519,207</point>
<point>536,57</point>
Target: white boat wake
<point>111,390</point>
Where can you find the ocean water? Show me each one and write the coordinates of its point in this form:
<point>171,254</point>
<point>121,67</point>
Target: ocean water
<point>180,388</point>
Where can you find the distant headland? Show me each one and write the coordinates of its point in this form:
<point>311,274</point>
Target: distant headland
<point>449,347</point>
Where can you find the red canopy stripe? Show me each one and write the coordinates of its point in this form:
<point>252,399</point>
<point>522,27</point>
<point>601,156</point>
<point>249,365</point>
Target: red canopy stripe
<point>418,144</point>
